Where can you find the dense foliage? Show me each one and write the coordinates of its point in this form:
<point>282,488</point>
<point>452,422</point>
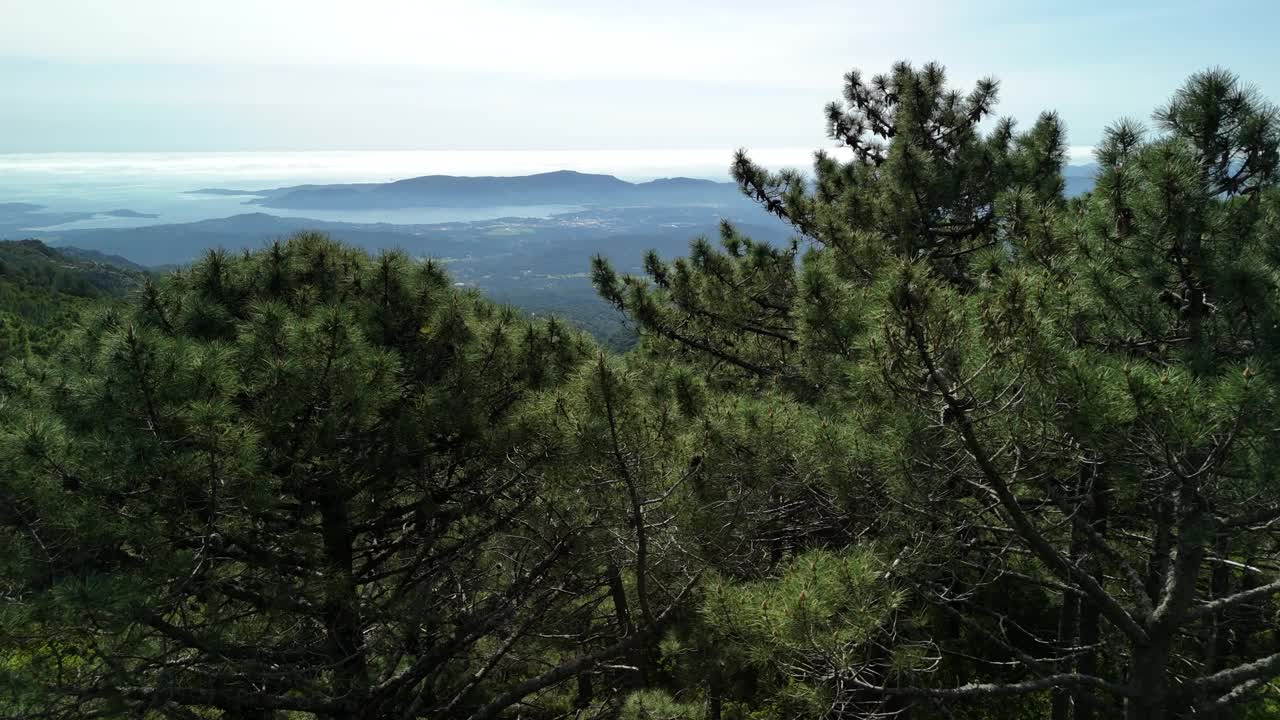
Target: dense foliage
<point>964,448</point>
<point>43,291</point>
<point>1062,412</point>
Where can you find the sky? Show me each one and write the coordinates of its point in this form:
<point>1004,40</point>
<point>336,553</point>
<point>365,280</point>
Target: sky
<point>302,75</point>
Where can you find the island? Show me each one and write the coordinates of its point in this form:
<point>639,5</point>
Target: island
<point>562,187</point>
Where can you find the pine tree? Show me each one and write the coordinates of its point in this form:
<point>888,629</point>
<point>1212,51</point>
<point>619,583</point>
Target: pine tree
<point>1064,404</point>
<point>963,448</point>
<point>290,483</point>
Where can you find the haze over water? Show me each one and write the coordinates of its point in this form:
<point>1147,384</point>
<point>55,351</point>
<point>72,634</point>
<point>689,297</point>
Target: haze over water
<point>160,183</point>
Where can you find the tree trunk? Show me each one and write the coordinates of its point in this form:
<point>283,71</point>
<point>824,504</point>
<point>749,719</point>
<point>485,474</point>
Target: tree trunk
<point>586,691</point>
<point>1218,643</point>
<point>715,699</point>
<point>1068,622</point>
<point>1149,677</point>
<point>1069,613</point>
<point>619,595</point>
<point>639,655</point>
<point>1086,704</point>
<point>342,620</point>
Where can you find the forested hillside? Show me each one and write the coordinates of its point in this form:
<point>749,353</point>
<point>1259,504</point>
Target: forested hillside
<point>963,448</point>
<point>43,291</point>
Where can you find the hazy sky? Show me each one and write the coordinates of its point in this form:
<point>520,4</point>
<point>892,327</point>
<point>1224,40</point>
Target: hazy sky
<point>157,75</point>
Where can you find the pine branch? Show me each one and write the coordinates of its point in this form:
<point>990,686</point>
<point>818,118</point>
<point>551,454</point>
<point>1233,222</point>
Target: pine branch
<point>1220,604</point>
<point>985,691</point>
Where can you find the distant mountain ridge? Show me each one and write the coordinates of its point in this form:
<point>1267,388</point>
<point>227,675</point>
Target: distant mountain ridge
<point>562,187</point>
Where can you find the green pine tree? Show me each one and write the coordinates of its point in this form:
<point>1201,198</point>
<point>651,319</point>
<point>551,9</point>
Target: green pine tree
<point>293,483</point>
<point>1058,412</point>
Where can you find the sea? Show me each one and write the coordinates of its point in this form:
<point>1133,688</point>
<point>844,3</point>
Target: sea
<point>160,184</point>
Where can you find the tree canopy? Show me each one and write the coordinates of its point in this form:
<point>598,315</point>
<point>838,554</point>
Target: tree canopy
<point>963,448</point>
<point>1063,407</point>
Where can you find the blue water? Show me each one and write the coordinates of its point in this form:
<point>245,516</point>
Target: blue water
<point>159,183</point>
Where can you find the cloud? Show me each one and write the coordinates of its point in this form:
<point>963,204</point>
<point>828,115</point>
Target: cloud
<point>569,73</point>
<point>744,42</point>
